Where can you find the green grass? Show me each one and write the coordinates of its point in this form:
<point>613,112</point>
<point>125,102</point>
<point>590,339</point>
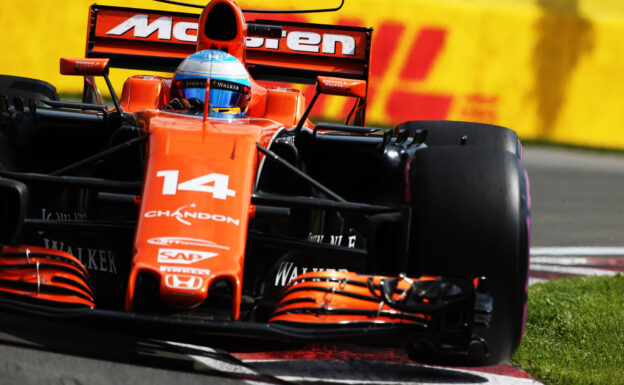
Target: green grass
<point>575,332</point>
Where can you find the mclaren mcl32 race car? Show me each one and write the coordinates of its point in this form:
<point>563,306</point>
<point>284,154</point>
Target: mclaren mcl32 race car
<point>209,203</point>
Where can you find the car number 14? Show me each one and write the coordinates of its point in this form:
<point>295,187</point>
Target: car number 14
<point>217,184</point>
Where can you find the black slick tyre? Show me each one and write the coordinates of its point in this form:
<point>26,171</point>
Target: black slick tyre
<point>451,133</point>
<point>26,89</point>
<point>471,218</point>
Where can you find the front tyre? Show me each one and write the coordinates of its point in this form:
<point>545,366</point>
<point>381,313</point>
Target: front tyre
<point>471,219</point>
<point>451,133</point>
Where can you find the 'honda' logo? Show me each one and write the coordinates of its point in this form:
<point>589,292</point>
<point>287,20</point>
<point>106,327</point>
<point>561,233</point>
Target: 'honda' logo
<point>184,282</point>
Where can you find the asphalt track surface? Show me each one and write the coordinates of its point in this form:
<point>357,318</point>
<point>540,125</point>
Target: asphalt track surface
<point>577,197</point>
<point>577,201</point>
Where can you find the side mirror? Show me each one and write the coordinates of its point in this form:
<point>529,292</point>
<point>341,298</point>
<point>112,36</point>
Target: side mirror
<point>334,86</point>
<point>90,67</point>
<point>343,87</point>
<point>13,207</point>
<point>84,67</point>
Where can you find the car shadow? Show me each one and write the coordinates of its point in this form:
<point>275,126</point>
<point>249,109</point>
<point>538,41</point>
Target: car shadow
<point>316,363</point>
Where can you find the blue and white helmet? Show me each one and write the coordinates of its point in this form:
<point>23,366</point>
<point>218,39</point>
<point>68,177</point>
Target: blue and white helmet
<point>229,82</point>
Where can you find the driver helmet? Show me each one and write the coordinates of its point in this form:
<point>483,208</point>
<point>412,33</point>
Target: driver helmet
<point>230,86</point>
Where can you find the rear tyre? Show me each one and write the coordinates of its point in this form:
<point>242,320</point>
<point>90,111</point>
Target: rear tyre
<point>26,89</point>
<point>449,133</point>
<point>471,219</point>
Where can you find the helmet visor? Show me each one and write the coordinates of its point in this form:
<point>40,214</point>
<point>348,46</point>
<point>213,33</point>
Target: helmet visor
<point>223,94</point>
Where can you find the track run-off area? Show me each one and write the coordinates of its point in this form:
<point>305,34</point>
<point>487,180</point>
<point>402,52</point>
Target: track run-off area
<point>577,225</point>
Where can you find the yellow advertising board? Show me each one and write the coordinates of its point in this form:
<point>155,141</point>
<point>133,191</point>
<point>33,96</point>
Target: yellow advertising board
<point>549,69</point>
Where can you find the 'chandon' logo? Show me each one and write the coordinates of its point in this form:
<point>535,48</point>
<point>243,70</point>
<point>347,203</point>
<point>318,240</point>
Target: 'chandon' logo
<point>184,215</point>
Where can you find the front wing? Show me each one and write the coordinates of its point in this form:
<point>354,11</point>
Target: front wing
<point>348,307</point>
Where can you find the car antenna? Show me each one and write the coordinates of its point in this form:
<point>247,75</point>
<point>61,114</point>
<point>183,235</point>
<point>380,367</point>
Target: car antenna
<point>259,10</point>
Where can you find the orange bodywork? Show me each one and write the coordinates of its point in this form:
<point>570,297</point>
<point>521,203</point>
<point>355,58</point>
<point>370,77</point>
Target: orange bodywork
<point>282,105</point>
<point>142,92</point>
<point>198,185</point>
<point>339,297</point>
<point>196,199</point>
<point>45,276</point>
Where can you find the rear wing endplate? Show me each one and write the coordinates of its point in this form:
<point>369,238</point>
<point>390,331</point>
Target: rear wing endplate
<point>159,41</point>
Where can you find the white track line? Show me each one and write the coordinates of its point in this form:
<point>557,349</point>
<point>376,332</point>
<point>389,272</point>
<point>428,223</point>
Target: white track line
<point>485,378</point>
<point>536,280</point>
<point>561,260</point>
<point>577,251</point>
<point>205,349</point>
<point>216,364</point>
<point>570,270</point>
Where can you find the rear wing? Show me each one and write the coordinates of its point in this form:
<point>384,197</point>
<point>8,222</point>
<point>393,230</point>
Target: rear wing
<point>159,41</point>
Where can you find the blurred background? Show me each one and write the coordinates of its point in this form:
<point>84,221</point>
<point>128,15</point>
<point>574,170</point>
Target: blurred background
<point>550,69</point>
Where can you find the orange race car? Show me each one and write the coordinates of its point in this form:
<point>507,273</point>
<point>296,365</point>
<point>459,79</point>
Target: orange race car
<point>207,202</point>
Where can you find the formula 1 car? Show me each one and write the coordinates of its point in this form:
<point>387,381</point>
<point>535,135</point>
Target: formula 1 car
<point>263,225</point>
